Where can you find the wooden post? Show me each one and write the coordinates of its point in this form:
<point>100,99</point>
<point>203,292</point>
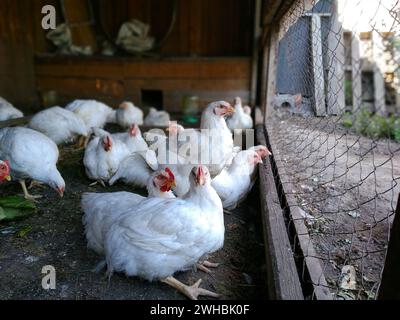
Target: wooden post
<point>283,279</point>
<point>318,66</point>
<point>336,90</point>
<point>271,75</point>
<point>256,51</point>
<point>378,67</point>
<point>390,285</point>
<point>356,72</point>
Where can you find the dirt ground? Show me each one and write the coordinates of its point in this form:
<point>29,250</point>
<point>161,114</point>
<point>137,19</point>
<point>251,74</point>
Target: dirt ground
<point>347,187</point>
<point>54,236</point>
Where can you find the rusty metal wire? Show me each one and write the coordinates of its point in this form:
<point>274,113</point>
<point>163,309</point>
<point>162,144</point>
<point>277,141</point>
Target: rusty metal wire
<point>336,154</point>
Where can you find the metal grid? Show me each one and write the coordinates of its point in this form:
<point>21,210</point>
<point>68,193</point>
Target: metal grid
<point>333,133</point>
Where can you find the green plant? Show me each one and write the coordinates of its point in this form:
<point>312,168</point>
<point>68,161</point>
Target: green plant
<point>366,123</point>
<point>362,121</point>
<point>396,130</point>
<point>348,92</point>
<point>347,120</point>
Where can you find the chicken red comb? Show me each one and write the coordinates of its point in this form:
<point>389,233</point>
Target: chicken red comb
<point>170,174</point>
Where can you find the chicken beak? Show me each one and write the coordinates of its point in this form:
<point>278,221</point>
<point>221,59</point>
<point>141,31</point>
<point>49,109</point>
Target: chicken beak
<point>172,184</point>
<point>231,110</point>
<point>8,178</point>
<point>200,178</point>
<point>60,191</point>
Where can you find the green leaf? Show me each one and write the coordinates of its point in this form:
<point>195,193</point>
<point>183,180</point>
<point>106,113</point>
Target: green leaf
<point>15,207</point>
<point>24,231</point>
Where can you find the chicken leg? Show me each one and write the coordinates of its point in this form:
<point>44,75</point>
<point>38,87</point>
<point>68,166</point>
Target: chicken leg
<point>27,195</point>
<point>205,265</point>
<point>192,292</point>
<point>82,142</point>
<point>35,183</point>
<point>101,182</point>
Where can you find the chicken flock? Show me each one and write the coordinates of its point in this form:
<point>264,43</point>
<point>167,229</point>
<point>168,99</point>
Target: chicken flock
<point>191,175</point>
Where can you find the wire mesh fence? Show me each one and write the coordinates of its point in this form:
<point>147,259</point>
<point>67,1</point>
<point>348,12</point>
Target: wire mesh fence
<point>335,135</point>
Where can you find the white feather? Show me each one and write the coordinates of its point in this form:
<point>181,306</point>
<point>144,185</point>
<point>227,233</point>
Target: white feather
<point>8,111</point>
<point>59,124</point>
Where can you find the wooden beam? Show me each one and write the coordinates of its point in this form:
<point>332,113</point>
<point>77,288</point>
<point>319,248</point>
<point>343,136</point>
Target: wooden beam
<point>318,66</point>
<point>311,259</point>
<point>271,75</point>
<point>356,72</point>
<point>336,61</point>
<point>283,279</point>
<point>379,66</point>
<point>390,285</point>
<point>292,14</point>
<point>256,52</point>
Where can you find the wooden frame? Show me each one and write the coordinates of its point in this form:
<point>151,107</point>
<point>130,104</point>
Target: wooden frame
<point>283,279</point>
<point>280,15</point>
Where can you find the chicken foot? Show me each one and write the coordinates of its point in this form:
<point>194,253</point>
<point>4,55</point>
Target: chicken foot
<point>27,195</point>
<point>83,142</point>
<point>35,183</point>
<point>193,291</point>
<point>205,265</point>
<point>101,182</point>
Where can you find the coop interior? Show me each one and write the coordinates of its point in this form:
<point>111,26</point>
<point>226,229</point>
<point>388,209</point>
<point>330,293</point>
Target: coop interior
<point>318,115</point>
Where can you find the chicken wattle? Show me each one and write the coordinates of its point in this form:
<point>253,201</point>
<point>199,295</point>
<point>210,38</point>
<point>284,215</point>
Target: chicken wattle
<point>5,171</point>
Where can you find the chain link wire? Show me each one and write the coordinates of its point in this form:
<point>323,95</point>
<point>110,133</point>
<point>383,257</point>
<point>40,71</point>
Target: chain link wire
<point>333,132</point>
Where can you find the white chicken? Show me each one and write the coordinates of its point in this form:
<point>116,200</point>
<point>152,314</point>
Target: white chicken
<point>8,111</point>
<point>157,118</point>
<point>233,184</point>
<point>31,155</point>
<point>247,110</point>
<point>136,169</point>
<point>181,172</point>
<point>159,237</point>
<point>212,147</point>
<point>262,151</point>
<point>161,143</point>
<point>103,209</point>
<point>103,156</point>
<point>240,119</point>
<point>93,113</point>
<point>59,124</point>
<point>128,114</point>
<point>133,139</point>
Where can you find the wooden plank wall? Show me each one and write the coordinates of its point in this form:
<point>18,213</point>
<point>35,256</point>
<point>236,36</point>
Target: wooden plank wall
<point>113,81</point>
<point>203,27</point>
<point>20,37</point>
